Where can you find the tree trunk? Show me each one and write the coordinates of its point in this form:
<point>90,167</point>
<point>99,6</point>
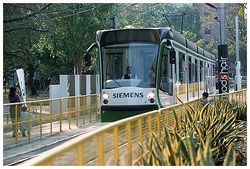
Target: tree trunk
<point>78,65</point>
<point>31,81</point>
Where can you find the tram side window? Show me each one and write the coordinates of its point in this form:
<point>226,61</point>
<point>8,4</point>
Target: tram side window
<point>166,84</point>
<point>201,71</point>
<point>213,71</point>
<point>196,71</point>
<point>206,71</point>
<point>181,67</point>
<point>189,70</point>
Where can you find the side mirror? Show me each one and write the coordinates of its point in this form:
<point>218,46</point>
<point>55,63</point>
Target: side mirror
<point>172,56</point>
<point>87,58</point>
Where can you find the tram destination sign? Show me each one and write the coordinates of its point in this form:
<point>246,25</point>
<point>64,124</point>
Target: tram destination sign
<point>223,69</point>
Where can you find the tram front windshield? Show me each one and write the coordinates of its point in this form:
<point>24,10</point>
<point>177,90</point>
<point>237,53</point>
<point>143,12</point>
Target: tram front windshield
<point>129,65</point>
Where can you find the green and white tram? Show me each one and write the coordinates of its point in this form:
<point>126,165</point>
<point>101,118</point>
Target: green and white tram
<point>143,69</point>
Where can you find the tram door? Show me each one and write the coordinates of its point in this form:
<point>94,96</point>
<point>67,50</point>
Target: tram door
<point>195,79</point>
<point>191,78</point>
<point>166,80</point>
<point>201,83</point>
<point>206,76</point>
<point>210,75</point>
<point>181,77</point>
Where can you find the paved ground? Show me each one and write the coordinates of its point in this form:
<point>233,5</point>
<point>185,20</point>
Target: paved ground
<point>17,154</point>
<point>46,129</point>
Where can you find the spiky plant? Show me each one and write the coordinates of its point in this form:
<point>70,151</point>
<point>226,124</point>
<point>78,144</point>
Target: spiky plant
<point>204,137</point>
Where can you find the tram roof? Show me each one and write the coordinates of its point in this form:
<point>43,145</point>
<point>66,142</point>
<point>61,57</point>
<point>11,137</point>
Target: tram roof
<point>135,34</point>
<point>157,35</point>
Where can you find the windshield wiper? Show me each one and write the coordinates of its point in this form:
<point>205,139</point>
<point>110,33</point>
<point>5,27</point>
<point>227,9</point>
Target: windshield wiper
<point>119,85</point>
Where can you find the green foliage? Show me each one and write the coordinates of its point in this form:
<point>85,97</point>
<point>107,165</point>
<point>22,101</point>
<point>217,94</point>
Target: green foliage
<point>76,30</point>
<point>19,36</point>
<point>240,109</point>
<point>150,15</point>
<point>50,39</point>
<point>203,138</point>
<point>52,62</point>
<point>232,11</point>
<point>190,36</point>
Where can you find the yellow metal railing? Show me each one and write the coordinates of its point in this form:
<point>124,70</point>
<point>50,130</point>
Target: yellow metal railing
<point>181,88</point>
<point>201,86</point>
<point>117,142</point>
<point>46,117</point>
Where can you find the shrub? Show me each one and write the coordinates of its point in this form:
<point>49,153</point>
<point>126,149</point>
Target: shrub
<point>204,137</point>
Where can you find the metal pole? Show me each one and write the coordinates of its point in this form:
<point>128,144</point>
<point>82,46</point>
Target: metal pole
<point>237,38</point>
<point>237,63</point>
<point>222,24</point>
<point>111,16</point>
<point>223,54</point>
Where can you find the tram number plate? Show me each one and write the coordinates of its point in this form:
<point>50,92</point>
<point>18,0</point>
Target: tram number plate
<point>223,77</point>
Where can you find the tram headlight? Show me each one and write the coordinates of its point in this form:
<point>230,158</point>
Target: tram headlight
<point>105,101</point>
<point>151,95</point>
<point>105,96</point>
<point>152,100</point>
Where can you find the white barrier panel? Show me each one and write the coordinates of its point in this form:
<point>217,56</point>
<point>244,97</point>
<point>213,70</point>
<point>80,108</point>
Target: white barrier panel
<point>64,90</point>
<point>54,92</point>
<point>74,85</point>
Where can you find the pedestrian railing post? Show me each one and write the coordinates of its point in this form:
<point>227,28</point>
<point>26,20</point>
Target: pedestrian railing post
<point>90,108</point>
<point>116,144</point>
<point>61,114</point>
<point>84,109</point>
<point>149,126</point>
<point>41,109</point>
<point>80,154</point>
<point>51,107</point>
<point>29,125</point>
<point>97,109</point>
<point>77,100</point>
<point>180,112</point>
<point>100,149</point>
<point>140,130</point>
<point>69,114</point>
<point>16,124</point>
<point>129,143</point>
<point>167,117</point>
<point>158,123</point>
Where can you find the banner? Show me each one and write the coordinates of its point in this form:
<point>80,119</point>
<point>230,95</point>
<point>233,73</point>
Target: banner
<point>21,80</point>
<point>223,69</point>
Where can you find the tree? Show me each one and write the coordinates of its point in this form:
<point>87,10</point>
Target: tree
<point>49,39</point>
<point>232,11</point>
<point>151,15</point>
<point>75,29</point>
<point>20,33</point>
